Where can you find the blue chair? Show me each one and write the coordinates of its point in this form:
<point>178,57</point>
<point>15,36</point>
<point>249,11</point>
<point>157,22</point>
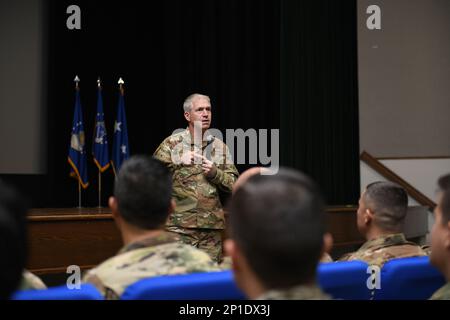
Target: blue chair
<point>86,292</point>
<point>195,286</point>
<point>344,280</point>
<point>408,279</point>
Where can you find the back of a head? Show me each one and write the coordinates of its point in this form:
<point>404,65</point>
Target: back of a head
<point>143,190</point>
<point>444,203</point>
<point>13,237</point>
<point>389,203</point>
<point>278,222</point>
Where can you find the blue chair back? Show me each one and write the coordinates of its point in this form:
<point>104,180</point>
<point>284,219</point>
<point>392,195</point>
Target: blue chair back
<point>87,291</point>
<point>408,279</point>
<point>344,280</point>
<point>195,286</point>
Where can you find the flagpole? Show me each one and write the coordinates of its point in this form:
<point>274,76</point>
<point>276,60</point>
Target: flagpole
<point>99,171</point>
<point>79,195</point>
<point>99,188</point>
<point>77,88</point>
<point>121,82</point>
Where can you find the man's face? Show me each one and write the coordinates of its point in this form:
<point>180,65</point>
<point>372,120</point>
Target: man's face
<point>440,238</point>
<point>201,112</point>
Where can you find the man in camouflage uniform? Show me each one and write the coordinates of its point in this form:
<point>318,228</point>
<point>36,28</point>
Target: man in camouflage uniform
<point>200,165</point>
<point>440,237</point>
<point>278,236</point>
<point>140,206</point>
<point>243,177</point>
<point>380,217</point>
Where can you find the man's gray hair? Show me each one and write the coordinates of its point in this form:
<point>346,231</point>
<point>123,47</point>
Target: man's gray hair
<point>187,105</point>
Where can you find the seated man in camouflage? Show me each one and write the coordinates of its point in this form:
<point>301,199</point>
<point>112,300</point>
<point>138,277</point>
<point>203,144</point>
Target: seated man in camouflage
<point>140,207</point>
<point>440,237</point>
<point>277,236</point>
<point>243,177</point>
<point>380,217</point>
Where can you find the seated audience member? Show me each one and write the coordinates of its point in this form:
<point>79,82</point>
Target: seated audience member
<point>440,237</point>
<point>12,240</point>
<point>140,207</point>
<point>277,236</point>
<point>380,218</point>
<point>243,177</point>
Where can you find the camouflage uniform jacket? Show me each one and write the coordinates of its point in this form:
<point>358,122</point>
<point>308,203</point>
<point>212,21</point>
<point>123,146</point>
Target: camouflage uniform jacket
<point>196,197</point>
<point>378,251</point>
<point>443,293</point>
<point>301,292</point>
<point>153,256</point>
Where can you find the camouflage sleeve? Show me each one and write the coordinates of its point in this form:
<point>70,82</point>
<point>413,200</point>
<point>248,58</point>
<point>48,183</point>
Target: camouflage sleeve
<point>225,177</point>
<point>106,292</point>
<point>92,278</point>
<point>346,257</point>
<point>163,154</point>
<point>226,171</point>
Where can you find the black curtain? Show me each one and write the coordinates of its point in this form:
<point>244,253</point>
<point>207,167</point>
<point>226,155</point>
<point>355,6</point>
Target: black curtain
<point>319,94</point>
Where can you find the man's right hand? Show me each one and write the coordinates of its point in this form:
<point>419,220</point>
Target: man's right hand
<point>187,158</point>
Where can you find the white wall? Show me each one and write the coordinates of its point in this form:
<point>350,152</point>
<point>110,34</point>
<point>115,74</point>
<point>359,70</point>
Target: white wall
<point>422,174</point>
<point>403,78</point>
<point>22,111</point>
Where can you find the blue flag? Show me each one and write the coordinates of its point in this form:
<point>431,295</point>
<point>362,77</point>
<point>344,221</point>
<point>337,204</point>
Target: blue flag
<point>100,143</point>
<point>121,150</point>
<point>77,148</point>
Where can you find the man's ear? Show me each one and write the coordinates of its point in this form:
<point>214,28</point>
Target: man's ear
<point>187,116</point>
<point>327,243</point>
<point>368,216</point>
<point>447,237</point>
<point>113,205</point>
<point>231,250</point>
<point>172,206</point>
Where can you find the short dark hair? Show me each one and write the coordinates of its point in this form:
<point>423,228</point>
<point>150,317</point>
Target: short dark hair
<point>444,186</point>
<point>143,190</point>
<point>389,202</point>
<point>278,222</point>
<point>13,239</point>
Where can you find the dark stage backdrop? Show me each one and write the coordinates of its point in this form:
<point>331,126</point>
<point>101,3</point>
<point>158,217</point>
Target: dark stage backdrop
<point>319,94</point>
<point>228,49</point>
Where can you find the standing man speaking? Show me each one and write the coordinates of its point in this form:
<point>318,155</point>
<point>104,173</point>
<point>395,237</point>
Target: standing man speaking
<point>200,164</point>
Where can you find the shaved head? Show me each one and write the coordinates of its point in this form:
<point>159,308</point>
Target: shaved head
<point>244,176</point>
